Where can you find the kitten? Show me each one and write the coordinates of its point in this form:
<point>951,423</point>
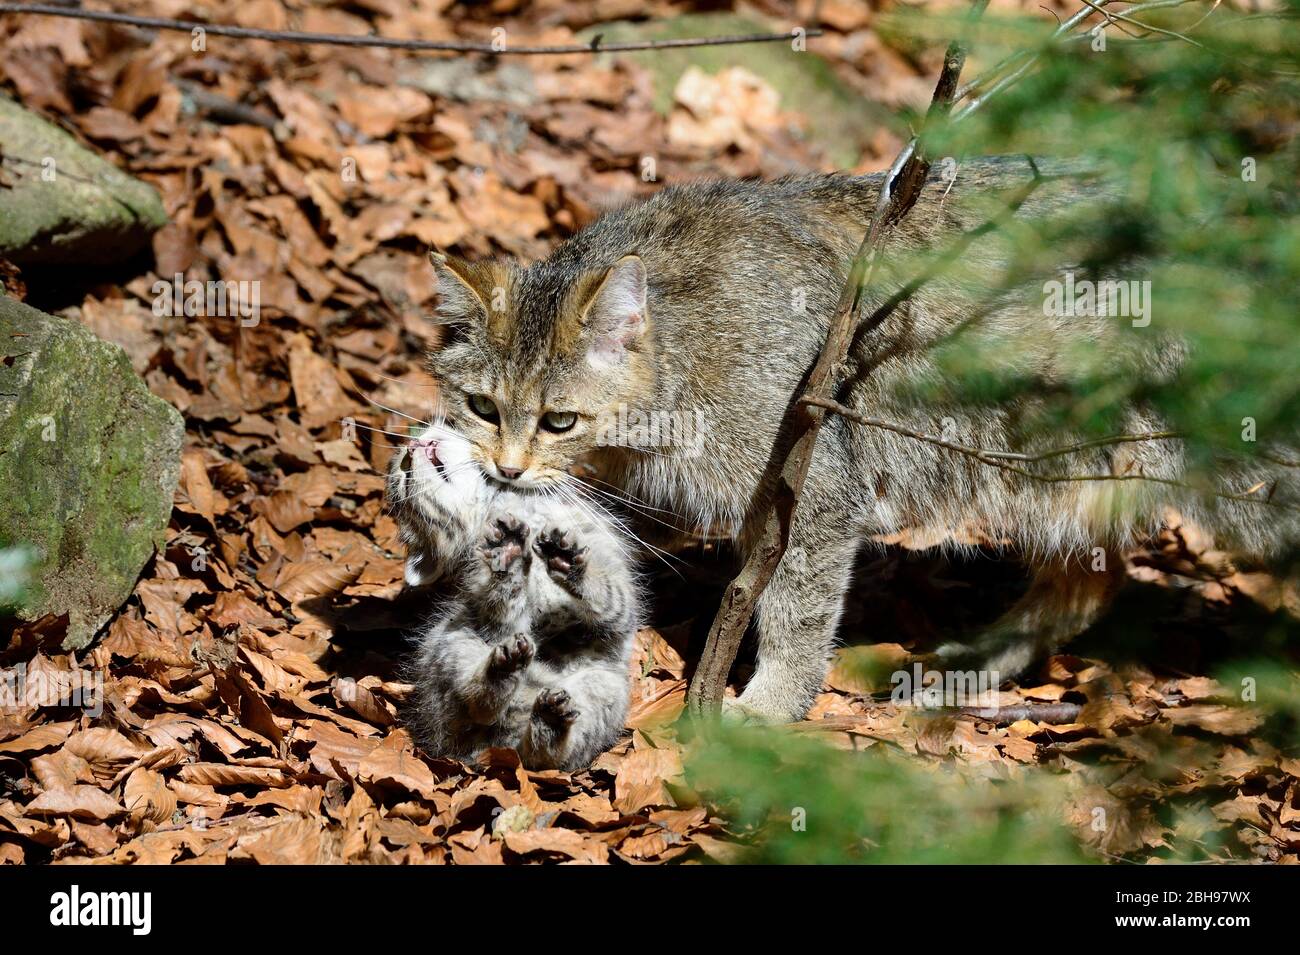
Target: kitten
<point>532,650</point>
<point>710,302</point>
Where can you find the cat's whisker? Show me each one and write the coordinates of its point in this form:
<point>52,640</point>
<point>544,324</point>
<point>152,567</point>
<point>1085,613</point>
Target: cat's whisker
<point>630,496</point>
<point>619,542</point>
<point>628,504</point>
<point>396,412</point>
<point>403,381</point>
<point>432,424</point>
<point>634,503</point>
<point>412,491</point>
<point>391,434</point>
<point>576,497</point>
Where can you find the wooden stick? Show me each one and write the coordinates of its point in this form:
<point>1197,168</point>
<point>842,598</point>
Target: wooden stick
<point>392,43</point>
<point>766,530</point>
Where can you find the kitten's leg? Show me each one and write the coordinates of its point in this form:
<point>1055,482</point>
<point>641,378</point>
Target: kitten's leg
<point>546,737</point>
<point>796,618</point>
<point>499,581</point>
<point>594,573</point>
<point>1065,596</point>
<point>488,677</point>
<point>577,719</point>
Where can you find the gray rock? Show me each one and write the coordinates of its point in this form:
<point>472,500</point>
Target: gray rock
<point>89,462</point>
<point>62,204</point>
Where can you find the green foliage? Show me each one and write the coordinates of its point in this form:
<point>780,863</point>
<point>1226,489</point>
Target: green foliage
<point>804,802</point>
<point>1198,142</point>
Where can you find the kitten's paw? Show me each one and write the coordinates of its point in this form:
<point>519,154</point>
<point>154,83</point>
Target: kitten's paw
<point>512,656</point>
<point>566,559</point>
<point>555,708</point>
<point>505,545</point>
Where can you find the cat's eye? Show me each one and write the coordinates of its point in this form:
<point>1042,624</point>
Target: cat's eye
<point>483,406</point>
<point>559,420</point>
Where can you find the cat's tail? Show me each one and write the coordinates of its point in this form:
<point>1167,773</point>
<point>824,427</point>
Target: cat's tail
<point>1252,507</point>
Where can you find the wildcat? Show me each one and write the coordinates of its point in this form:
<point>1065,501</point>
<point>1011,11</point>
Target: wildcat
<point>712,300</point>
<point>531,651</point>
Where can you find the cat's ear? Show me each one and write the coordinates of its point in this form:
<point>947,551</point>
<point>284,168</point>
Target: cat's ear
<point>615,318</point>
<point>461,301</point>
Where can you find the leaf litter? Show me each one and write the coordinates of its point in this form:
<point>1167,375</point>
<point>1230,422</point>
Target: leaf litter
<point>250,694</point>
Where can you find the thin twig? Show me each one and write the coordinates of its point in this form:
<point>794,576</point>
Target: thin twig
<point>222,109</point>
<point>1055,714</point>
<point>1000,459</point>
<point>392,43</point>
<point>1058,36</point>
<point>1124,17</point>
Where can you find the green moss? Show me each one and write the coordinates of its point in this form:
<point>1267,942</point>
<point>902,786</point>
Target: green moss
<point>64,204</point>
<point>90,461</point>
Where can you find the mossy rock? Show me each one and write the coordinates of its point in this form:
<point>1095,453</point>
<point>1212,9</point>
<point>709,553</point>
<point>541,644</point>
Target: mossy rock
<point>89,462</point>
<point>61,204</point>
<point>840,120</point>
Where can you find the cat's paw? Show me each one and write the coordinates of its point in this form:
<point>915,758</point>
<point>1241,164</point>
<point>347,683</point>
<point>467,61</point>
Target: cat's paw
<point>555,708</point>
<point>505,545</point>
<point>736,713</point>
<point>566,559</point>
<point>512,656</point>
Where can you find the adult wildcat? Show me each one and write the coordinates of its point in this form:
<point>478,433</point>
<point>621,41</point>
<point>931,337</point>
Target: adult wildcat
<point>710,302</point>
<point>531,650</point>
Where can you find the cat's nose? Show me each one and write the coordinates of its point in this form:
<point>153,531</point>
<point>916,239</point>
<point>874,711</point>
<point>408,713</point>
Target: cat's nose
<point>510,473</point>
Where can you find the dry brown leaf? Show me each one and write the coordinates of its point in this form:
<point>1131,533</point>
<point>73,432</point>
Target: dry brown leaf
<point>101,746</point>
<point>394,761</point>
<point>45,736</point>
<point>220,774</point>
<point>641,779</point>
<point>564,842</point>
<point>62,769</point>
<point>289,840</point>
<point>84,802</point>
<point>146,796</point>
<point>1224,720</point>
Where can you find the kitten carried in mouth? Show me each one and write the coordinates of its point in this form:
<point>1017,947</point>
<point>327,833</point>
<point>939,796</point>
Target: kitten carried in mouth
<point>531,651</point>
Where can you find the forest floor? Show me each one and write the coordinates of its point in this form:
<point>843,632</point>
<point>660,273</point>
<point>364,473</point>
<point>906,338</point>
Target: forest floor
<point>251,702</point>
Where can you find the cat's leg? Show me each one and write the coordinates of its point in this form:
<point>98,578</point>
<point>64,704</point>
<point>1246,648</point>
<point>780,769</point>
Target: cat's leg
<point>485,677</point>
<point>498,581</point>
<point>592,570</point>
<point>797,615</point>
<point>546,737</point>
<point>577,719</point>
<point>1066,595</point>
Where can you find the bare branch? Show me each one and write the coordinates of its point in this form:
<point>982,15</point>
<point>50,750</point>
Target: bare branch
<point>1054,714</point>
<point>392,43</point>
<point>766,529</point>
<point>1000,459</point>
